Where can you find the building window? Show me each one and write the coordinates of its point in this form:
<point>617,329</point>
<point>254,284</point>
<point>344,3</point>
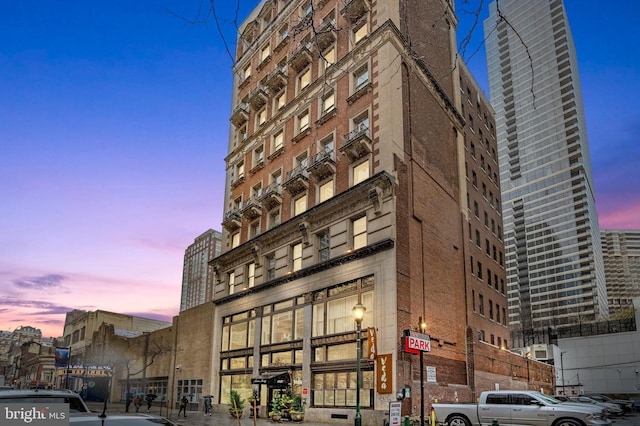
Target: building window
<point>325,191</point>
<point>323,246</point>
<point>283,33</point>
<point>251,274</point>
<point>274,218</point>
<point>254,229</point>
<point>300,205</point>
<point>481,304</point>
<point>480,270</point>
<point>246,72</point>
<point>270,261</point>
<point>278,140</point>
<point>280,99</point>
<point>303,121</point>
<point>231,279</point>
<point>240,170</point>
<point>360,32</point>
<point>328,102</point>
<point>258,156</point>
<point>235,240</point>
<point>328,58</point>
<point>361,78</point>
<point>241,134</point>
<point>304,80</point>
<point>265,53</point>
<point>491,309</point>
<point>261,117</point>
<point>296,257</point>
<point>473,300</point>
<point>359,229</point>
<point>361,172</point>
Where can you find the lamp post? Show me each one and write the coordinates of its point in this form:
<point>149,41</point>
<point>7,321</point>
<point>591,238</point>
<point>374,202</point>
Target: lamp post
<point>423,329</point>
<point>358,315</point>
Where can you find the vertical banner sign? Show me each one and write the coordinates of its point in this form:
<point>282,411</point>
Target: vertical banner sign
<point>62,357</point>
<point>384,373</point>
<point>372,344</point>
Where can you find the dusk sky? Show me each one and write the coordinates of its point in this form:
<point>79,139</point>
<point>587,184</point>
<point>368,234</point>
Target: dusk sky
<point>114,119</point>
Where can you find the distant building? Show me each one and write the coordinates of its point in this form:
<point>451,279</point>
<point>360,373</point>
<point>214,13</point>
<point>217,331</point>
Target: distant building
<point>80,326</point>
<point>621,252</point>
<point>197,274</point>
<point>555,271</point>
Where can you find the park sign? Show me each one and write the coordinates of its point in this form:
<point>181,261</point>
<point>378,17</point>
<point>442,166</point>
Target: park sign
<point>416,342</point>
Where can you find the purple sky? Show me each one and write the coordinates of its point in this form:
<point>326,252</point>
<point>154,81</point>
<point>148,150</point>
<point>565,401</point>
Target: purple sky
<point>113,129</point>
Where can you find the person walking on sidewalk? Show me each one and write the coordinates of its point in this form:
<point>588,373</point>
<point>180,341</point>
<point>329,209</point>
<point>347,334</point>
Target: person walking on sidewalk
<point>183,406</point>
<point>137,401</point>
<point>207,405</point>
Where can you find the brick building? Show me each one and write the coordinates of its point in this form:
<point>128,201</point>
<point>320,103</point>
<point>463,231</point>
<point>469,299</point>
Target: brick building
<point>361,169</point>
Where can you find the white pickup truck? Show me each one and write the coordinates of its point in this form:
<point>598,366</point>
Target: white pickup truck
<point>519,408</point>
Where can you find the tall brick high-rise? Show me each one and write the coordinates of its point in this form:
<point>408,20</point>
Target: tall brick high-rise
<point>362,168</point>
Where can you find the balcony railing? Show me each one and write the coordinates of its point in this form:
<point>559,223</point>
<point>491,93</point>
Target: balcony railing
<point>357,143</point>
<point>252,207</point>
<point>277,79</point>
<point>297,180</point>
<point>232,219</point>
<point>301,57</point>
<point>240,114</point>
<point>258,97</point>
<point>323,164</point>
<point>271,196</point>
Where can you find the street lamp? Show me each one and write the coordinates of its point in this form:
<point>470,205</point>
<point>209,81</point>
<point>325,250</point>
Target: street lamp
<point>358,315</point>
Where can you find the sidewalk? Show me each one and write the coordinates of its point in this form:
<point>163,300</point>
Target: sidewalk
<point>194,418</point>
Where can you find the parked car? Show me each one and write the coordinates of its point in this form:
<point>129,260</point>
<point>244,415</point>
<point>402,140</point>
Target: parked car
<point>43,396</point>
<point>129,419</point>
<point>518,407</point>
<point>636,403</point>
<point>614,410</point>
<point>625,404</point>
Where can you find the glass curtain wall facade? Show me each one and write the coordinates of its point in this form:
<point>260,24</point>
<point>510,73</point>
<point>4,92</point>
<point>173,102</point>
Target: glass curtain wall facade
<point>554,260</point>
<point>277,329</point>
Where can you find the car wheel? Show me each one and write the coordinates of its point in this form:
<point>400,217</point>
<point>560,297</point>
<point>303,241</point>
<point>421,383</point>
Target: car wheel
<point>457,420</point>
<point>566,422</point>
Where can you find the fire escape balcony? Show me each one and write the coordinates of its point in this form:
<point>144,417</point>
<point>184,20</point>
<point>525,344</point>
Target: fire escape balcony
<point>277,79</point>
<point>357,143</point>
<point>240,114</point>
<point>323,164</point>
<point>271,196</point>
<point>301,57</point>
<point>297,180</point>
<point>252,208</point>
<point>258,97</point>
<point>326,34</point>
<point>232,220</point>
<point>354,10</point>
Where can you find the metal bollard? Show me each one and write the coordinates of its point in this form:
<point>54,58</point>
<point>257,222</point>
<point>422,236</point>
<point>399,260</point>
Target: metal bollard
<point>495,422</point>
<point>407,421</point>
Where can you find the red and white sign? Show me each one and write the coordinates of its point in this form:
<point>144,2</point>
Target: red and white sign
<point>305,391</point>
<point>415,342</point>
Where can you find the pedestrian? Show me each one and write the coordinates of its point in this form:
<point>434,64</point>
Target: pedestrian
<point>183,406</point>
<point>150,397</point>
<point>129,398</point>
<point>137,401</point>
<point>207,405</point>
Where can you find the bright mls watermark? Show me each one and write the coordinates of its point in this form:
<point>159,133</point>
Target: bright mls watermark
<point>34,414</point>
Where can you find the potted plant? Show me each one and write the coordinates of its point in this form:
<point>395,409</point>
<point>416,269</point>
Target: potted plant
<point>276,407</point>
<point>236,404</point>
<point>297,408</point>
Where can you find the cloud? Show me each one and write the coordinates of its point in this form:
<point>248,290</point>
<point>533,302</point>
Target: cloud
<point>42,282</point>
<point>46,308</point>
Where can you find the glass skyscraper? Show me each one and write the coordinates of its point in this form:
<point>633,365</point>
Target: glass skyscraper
<point>555,270</point>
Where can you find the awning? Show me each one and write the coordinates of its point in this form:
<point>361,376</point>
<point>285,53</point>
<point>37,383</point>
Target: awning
<point>276,379</point>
